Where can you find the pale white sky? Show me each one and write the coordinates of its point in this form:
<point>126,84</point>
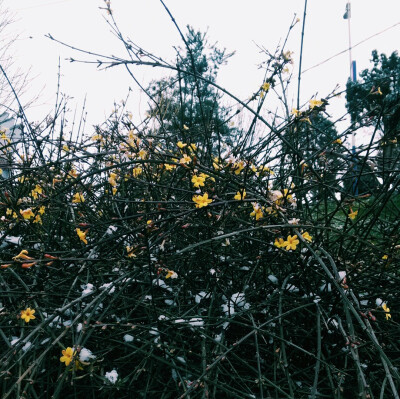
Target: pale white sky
<point>236,24</point>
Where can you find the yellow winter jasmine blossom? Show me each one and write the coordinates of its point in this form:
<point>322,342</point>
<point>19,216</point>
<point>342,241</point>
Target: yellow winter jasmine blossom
<point>168,166</point>
<point>307,236</point>
<point>266,86</point>
<point>73,174</point>
<point>112,179</point>
<point>352,215</point>
<point>181,145</point>
<point>67,356</point>
<point>257,212</point>
<point>185,159</point>
<point>5,137</point>
<point>27,213</point>
<point>201,200</point>
<point>387,310</point>
<point>22,255</point>
<point>27,315</point>
<point>97,137</point>
<point>238,167</point>
<point>171,274</point>
<point>9,211</point>
<point>38,219</point>
<point>137,171</point>
<point>130,252</point>
<point>291,242</point>
<point>81,235</point>
<point>384,257</point>
<point>78,197</point>
<point>142,154</point>
<point>296,112</point>
<point>338,141</point>
<point>65,148</point>
<point>240,195</point>
<point>205,176</point>
<point>42,209</point>
<point>315,103</point>
<point>37,190</point>
<point>198,181</point>
<point>279,242</point>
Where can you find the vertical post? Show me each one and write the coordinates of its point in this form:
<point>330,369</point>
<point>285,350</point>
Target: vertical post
<point>353,77</point>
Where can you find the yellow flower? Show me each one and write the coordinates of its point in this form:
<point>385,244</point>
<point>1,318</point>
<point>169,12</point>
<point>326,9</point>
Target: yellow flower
<point>266,86</point>
<point>185,159</point>
<point>240,195</point>
<point>352,215</point>
<point>37,190</point>
<point>185,127</point>
<point>42,209</point>
<point>168,166</point>
<point>67,356</point>
<point>9,211</point>
<point>287,56</point>
<point>78,197</point>
<point>315,103</point>
<point>238,167</point>
<point>279,242</point>
<point>296,112</point>
<point>198,181</point>
<point>307,236</point>
<point>387,310</point>
<point>114,190</point>
<point>27,213</point>
<point>142,154</point>
<point>73,174</point>
<point>131,251</point>
<point>181,145</point>
<point>257,212</point>
<point>201,200</point>
<point>38,219</point>
<point>384,257</point>
<point>338,141</point>
<point>22,255</point>
<point>28,315</point>
<point>112,179</point>
<point>291,242</point>
<point>137,171</point>
<point>97,137</point>
<point>171,274</point>
<point>65,148</point>
<point>82,235</point>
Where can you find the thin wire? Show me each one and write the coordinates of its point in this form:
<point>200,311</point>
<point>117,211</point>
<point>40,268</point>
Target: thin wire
<point>347,49</point>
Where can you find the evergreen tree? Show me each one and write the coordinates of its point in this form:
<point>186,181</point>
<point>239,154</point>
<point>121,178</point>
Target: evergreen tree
<point>187,105</point>
<point>375,100</point>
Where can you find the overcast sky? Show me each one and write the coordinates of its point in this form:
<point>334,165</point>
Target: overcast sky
<point>237,25</point>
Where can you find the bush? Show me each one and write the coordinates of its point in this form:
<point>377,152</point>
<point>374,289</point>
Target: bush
<point>139,264</point>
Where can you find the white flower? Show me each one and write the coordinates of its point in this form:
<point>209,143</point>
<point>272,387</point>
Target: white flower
<point>294,221</point>
<point>112,376</point>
